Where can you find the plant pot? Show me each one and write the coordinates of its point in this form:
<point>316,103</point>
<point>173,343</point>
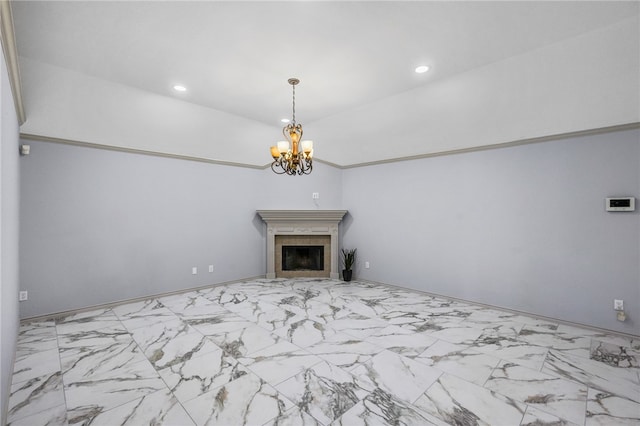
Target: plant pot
<point>346,274</point>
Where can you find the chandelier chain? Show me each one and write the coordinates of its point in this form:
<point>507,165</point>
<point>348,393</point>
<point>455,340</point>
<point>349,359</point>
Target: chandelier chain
<point>294,103</point>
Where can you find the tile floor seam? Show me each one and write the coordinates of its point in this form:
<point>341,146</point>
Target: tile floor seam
<point>64,393</point>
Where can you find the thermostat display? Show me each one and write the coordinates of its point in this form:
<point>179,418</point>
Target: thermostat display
<point>620,204</point>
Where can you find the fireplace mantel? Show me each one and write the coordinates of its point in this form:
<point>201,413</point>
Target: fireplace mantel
<point>302,222</point>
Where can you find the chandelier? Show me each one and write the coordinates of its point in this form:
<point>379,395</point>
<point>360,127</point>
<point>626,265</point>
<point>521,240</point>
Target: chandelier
<point>292,156</point>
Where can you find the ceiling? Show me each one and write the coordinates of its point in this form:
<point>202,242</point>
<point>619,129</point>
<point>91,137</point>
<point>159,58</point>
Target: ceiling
<point>236,57</point>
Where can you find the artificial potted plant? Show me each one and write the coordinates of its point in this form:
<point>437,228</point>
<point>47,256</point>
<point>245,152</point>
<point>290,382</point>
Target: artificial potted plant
<point>348,259</point>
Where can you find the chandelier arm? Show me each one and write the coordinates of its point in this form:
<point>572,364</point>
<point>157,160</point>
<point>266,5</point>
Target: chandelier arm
<point>304,171</point>
<point>309,167</point>
<point>273,167</point>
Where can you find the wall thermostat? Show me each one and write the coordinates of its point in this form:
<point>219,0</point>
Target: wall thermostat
<point>620,204</point>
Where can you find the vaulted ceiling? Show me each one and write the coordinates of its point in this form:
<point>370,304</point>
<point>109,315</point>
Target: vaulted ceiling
<point>103,73</point>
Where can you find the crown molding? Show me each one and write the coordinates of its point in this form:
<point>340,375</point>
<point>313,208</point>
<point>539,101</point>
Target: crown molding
<point>560,136</point>
<point>43,138</point>
<point>8,38</point>
<point>40,138</point>
<point>595,131</point>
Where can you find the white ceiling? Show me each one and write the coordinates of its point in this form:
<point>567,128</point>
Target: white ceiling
<point>236,56</point>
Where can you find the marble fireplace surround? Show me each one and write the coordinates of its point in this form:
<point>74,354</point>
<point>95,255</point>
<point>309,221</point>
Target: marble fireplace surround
<point>302,222</point>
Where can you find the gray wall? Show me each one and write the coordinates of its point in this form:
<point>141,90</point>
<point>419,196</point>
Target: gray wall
<point>103,226</point>
<point>295,192</point>
<point>521,227</point>
<point>9,219</point>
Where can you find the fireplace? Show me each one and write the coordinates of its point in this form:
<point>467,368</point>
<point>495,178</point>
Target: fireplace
<point>300,231</point>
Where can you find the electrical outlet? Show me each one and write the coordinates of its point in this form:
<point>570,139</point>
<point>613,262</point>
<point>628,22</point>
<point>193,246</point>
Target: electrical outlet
<point>23,295</point>
<point>315,195</point>
<point>210,268</point>
<point>366,265</point>
<point>194,270</point>
<point>618,305</point>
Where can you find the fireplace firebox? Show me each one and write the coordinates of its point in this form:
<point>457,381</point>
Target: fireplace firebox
<point>302,258</point>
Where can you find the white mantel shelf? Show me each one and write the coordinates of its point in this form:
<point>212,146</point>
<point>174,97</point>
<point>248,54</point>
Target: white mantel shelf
<point>302,222</point>
<point>279,216</point>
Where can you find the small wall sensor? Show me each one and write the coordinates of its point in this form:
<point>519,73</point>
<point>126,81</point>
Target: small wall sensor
<point>620,204</point>
<point>25,149</point>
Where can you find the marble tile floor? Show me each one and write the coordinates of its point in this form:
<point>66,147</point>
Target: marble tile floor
<point>319,352</point>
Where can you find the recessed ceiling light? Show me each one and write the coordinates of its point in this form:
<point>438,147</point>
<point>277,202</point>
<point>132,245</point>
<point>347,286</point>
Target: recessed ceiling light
<point>422,69</point>
<point>179,88</point>
<point>285,120</point>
